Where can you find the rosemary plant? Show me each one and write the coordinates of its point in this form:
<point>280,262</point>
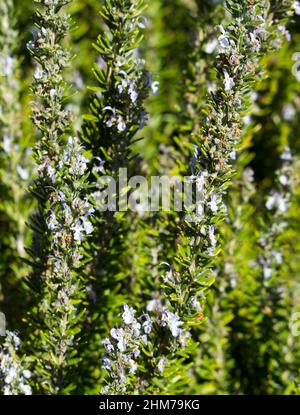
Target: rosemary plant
<point>62,222</point>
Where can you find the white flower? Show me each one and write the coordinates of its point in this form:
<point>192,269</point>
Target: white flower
<point>173,322</point>
<point>52,93</point>
<point>247,119</point>
<point>214,202</point>
<point>276,200</point>
<point>288,112</point>
<point>31,45</point>
<point>223,40</point>
<point>77,229</point>
<point>119,335</point>
<point>142,22</point>
<point>128,314</point>
<point>132,91</point>
<point>161,365</point>
<point>132,366</point>
<point>211,46</point>
<point>133,95</point>
<point>11,375</point>
<point>6,143</point>
<point>26,374</point>
<point>248,175</point>
<point>155,304</point>
<point>255,41</point>
<point>52,221</point>
<point>26,389</point>
<point>283,180</point>
<point>199,211</point>
<point>211,235</point>
<point>137,353</point>
<point>232,155</point>
<point>155,87</point>
<point>88,227</point>
<point>147,325</point>
<point>183,336</point>
<point>22,173</point>
<point>100,62</point>
<point>228,81</point>
<point>201,180</point>
<point>108,346</point>
<point>121,124</point>
<point>109,123</point>
<point>267,272</point>
<point>285,32</point>
<point>196,304</point>
<point>277,257</point>
<point>106,363</point>
<point>39,73</point>
<point>123,85</point>
<point>16,340</point>
<point>287,155</point>
<point>169,275</point>
<point>296,6</point>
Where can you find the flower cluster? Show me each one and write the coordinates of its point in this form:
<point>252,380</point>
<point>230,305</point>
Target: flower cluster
<point>14,376</point>
<point>278,203</point>
<point>123,85</point>
<point>123,347</point>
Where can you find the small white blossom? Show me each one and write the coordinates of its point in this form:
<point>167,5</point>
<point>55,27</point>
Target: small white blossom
<point>106,363</point>
<point>228,81</point>
<point>52,93</point>
<point>211,46</point>
<point>88,227</point>
<point>173,322</point>
<point>283,179</point>
<point>132,366</point>
<point>211,235</point>
<point>296,6</point>
<point>128,314</point>
<point>223,40</point>
<point>287,155</point>
<point>288,112</point>
<point>147,324</point>
<point>215,202</point>
<point>121,124</point>
<point>267,272</point>
<point>6,143</point>
<point>285,32</point>
<point>22,172</point>
<point>155,87</point>
<point>161,365</point>
<point>118,334</point>
<point>26,389</point>
<point>276,200</point>
<point>256,45</point>
<point>109,348</point>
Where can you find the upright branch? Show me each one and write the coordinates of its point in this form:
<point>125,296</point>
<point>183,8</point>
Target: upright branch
<point>116,115</point>
<point>240,47</point>
<point>62,221</point>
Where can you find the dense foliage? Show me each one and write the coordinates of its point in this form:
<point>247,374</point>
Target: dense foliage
<point>102,290</point>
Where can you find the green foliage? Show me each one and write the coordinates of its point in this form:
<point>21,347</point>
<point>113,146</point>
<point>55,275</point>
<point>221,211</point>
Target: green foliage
<point>100,298</point>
